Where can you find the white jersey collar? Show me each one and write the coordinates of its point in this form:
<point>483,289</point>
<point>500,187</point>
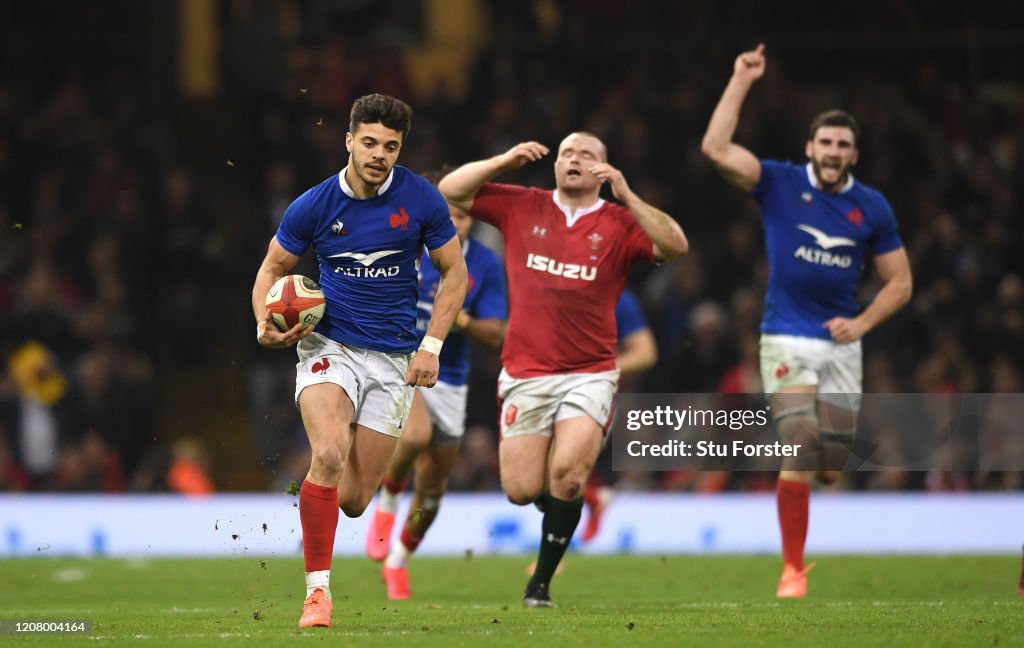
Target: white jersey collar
<point>570,216</point>
<point>814,181</point>
<point>351,194</point>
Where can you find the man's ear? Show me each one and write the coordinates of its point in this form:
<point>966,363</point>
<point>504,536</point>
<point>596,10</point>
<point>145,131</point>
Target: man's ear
<point>809,149</point>
<point>348,141</point>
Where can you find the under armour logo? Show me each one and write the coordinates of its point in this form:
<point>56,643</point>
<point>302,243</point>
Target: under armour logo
<point>401,219</point>
<point>539,231</point>
<point>321,367</point>
<point>551,537</point>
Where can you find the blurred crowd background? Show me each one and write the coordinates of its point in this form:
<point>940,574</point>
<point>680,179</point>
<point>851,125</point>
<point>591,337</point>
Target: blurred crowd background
<point>148,151</point>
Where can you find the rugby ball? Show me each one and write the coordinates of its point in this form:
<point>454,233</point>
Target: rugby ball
<point>294,299</point>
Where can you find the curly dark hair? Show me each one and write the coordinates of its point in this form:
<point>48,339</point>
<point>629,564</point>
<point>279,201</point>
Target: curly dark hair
<point>378,108</point>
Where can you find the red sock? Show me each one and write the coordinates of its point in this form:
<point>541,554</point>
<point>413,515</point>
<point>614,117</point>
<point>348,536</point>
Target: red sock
<point>409,540</point>
<point>793,498</point>
<point>590,497</point>
<point>394,488</point>
<point>318,512</point>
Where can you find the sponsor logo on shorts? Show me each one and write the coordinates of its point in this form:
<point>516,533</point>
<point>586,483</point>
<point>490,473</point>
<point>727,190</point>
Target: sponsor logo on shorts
<point>321,367</point>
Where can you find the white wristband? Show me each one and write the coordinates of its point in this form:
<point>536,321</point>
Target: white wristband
<point>431,345</point>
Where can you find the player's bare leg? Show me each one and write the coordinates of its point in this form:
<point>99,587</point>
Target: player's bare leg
<point>364,468</point>
<point>523,461</point>
<point>366,453</point>
<point>575,445</point>
<point>431,480</point>
<point>415,438</point>
<point>326,414</point>
<point>797,423</point>
<point>838,426</point>
<point>523,464</point>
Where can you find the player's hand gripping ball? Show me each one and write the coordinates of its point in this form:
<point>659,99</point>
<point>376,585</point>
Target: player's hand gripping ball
<point>294,299</point>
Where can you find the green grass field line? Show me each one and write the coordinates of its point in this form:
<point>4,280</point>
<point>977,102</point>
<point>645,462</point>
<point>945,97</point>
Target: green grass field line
<point>603,601</point>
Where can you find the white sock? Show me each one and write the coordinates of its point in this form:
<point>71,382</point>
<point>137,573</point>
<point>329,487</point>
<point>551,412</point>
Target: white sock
<point>318,579</point>
<point>388,502</point>
<point>398,557</point>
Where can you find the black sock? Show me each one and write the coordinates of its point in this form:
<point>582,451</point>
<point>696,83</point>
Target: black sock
<point>560,521</point>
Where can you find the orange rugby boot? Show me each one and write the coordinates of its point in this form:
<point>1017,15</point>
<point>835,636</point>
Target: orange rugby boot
<point>378,537</point>
<point>316,611</point>
<point>397,581</point>
<point>793,583</point>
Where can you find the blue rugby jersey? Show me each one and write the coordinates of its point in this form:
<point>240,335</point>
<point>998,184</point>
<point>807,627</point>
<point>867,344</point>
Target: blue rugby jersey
<point>369,252</point>
<point>485,298</point>
<point>629,317</point>
<point>817,245</point>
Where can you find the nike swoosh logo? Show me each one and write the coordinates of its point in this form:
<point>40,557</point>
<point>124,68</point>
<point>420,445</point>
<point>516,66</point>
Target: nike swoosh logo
<point>366,259</point>
<point>824,240</point>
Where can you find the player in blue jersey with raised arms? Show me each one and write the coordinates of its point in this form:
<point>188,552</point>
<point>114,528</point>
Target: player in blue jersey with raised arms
<point>437,420</point>
<point>821,227</point>
<point>368,226</point>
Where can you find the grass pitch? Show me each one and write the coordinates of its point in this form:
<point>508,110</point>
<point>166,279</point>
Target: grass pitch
<point>603,601</point>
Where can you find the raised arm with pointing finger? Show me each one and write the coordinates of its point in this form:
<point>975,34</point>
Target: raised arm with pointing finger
<point>821,227</point>
<point>738,165</point>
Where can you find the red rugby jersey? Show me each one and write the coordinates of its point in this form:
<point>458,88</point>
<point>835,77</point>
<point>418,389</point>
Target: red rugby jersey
<point>565,274</point>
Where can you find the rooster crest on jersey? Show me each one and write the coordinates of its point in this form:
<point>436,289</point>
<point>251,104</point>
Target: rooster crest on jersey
<point>295,299</point>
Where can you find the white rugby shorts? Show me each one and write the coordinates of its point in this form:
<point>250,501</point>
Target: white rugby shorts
<point>375,381</point>
<point>836,369</point>
<point>533,405</point>
<point>446,404</point>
